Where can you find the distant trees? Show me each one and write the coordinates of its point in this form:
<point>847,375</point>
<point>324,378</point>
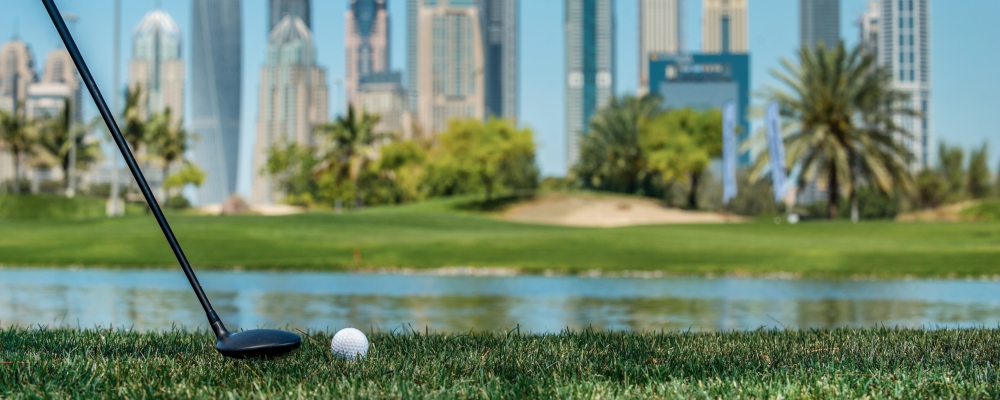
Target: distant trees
<point>54,143</point>
<point>18,138</point>
<point>955,180</point>
<point>354,162</point>
<point>634,146</point>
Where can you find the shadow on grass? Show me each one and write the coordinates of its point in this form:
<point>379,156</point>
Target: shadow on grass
<point>495,204</point>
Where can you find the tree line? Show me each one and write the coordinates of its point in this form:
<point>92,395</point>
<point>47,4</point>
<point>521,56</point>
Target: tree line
<point>156,139</point>
<point>351,164</point>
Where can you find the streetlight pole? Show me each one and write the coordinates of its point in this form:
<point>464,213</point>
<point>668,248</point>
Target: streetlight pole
<point>115,210</point>
<point>72,18</point>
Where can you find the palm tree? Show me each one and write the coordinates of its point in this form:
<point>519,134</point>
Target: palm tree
<point>54,142</point>
<point>135,123</point>
<point>844,128</point>
<point>168,140</point>
<point>352,139</point>
<point>18,136</point>
<point>611,156</point>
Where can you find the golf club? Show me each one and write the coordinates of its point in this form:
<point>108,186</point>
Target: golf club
<point>247,344</point>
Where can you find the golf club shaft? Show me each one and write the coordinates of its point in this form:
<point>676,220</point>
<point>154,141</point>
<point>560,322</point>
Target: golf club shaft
<point>109,119</point>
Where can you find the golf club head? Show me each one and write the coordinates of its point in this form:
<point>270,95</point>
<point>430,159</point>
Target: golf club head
<point>258,343</point>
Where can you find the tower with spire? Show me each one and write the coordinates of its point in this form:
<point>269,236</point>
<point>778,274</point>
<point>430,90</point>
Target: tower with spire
<point>156,66</point>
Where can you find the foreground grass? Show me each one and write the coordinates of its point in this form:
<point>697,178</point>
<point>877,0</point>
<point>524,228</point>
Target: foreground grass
<point>433,235</point>
<point>845,363</point>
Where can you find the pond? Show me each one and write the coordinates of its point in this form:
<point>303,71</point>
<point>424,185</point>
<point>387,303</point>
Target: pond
<point>161,299</point>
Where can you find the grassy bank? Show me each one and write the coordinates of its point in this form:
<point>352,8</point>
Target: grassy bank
<point>848,363</point>
<point>433,235</point>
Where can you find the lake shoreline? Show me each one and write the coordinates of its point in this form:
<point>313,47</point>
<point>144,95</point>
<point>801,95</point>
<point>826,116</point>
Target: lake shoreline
<point>501,272</point>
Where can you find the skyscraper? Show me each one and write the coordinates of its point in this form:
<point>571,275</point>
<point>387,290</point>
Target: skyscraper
<point>819,22</point>
<point>447,70</point>
<point>903,45</point>
<point>278,9</point>
<point>501,57</point>
<point>156,65</point>
<point>293,99</point>
<point>724,26</point>
<point>216,84</point>
<point>660,32</point>
<point>17,71</point>
<point>868,28</point>
<point>366,42</point>
<point>590,66</point>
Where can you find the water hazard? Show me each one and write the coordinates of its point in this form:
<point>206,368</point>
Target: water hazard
<point>161,299</point>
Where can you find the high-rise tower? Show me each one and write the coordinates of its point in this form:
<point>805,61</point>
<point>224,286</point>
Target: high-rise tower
<point>590,66</point>
<point>903,45</point>
<point>278,9</point>
<point>499,22</point>
<point>446,61</point>
<point>660,32</point>
<point>216,84</point>
<point>819,22</point>
<point>156,65</point>
<point>724,26</point>
<point>366,42</point>
<point>293,99</point>
<point>17,71</point>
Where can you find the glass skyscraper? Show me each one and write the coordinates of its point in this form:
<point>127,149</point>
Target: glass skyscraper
<point>216,84</point>
<point>277,9</point>
<point>156,66</point>
<point>590,66</point>
<point>500,19</point>
<point>819,21</point>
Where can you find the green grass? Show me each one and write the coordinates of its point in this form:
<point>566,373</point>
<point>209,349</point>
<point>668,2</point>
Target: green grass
<point>431,235</point>
<point>49,207</point>
<point>844,363</point>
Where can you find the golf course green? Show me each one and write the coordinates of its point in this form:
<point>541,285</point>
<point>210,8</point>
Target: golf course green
<point>440,234</point>
<point>843,363</point>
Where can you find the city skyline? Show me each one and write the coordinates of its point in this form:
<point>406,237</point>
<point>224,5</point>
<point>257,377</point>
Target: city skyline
<point>661,30</point>
<point>771,41</point>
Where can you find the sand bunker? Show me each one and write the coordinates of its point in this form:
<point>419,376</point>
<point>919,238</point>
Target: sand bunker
<point>607,212</point>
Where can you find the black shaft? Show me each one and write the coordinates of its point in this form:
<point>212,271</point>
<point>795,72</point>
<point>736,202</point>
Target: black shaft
<point>109,119</point>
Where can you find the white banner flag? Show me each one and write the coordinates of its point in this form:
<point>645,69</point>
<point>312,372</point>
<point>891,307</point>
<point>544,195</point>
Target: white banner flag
<point>728,151</point>
<point>776,146</point>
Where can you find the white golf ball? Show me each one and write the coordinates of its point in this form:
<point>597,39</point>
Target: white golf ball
<point>349,344</point>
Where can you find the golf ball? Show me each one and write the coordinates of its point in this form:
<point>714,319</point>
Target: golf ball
<point>349,344</point>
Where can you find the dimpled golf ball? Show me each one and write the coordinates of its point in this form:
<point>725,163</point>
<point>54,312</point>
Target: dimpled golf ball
<point>349,344</point>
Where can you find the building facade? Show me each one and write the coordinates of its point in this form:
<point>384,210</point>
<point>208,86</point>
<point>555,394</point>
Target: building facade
<point>383,94</point>
<point>293,99</point>
<point>278,9</point>
<point>868,28</point>
<point>59,84</point>
<point>366,43</point>
<point>590,66</point>
<point>500,25</point>
<point>724,26</point>
<point>819,22</point>
<point>702,82</point>
<point>17,71</point>
<point>447,62</point>
<point>660,32</point>
<point>156,66</point>
<point>901,30</point>
<point>216,85</point>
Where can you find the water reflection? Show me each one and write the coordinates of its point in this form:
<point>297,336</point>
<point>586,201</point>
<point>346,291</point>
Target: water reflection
<point>151,300</point>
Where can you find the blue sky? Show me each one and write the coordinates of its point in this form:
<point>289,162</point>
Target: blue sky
<point>963,93</point>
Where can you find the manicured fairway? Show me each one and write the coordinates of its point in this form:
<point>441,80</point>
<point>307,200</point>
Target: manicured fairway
<point>429,236</point>
<point>877,363</point>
